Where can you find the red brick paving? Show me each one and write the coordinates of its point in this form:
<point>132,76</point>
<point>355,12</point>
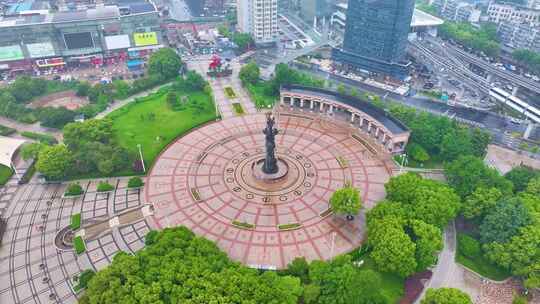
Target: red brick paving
<point>209,160</point>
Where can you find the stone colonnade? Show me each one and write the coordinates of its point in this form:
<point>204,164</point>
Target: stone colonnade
<point>393,143</point>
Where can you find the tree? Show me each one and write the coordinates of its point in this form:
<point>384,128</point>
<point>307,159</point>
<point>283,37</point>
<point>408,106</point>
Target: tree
<point>299,268</point>
<point>456,143</point>
<point>92,130</point>
<point>520,177</point>
<point>533,187</point>
<point>55,117</point>
<point>250,73</point>
<point>468,246</point>
<point>172,101</point>
<point>83,89</point>
<point>416,152</point>
<point>346,201</point>
<point>340,282</point>
<point>521,255</point>
<point>480,202</point>
<point>428,240</point>
<point>446,296</point>
<point>467,173</point>
<point>30,151</point>
<point>504,221</point>
<point>242,40</point>
<point>194,81</point>
<point>427,200</point>
<point>393,250</point>
<point>165,63</point>
<point>179,267</point>
<point>54,161</point>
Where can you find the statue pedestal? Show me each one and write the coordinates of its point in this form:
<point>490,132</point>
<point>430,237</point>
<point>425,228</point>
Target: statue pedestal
<point>259,174</point>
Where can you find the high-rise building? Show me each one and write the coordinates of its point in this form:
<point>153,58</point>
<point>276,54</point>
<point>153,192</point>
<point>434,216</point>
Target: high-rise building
<point>258,18</point>
<point>311,10</point>
<point>376,36</point>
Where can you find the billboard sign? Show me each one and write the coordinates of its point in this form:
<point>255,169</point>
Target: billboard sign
<point>40,50</point>
<point>144,39</point>
<point>11,53</point>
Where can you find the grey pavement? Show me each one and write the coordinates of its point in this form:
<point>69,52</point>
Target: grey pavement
<point>32,269</point>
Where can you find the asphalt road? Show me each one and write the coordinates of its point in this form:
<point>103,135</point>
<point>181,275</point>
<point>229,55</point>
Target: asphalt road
<point>495,124</point>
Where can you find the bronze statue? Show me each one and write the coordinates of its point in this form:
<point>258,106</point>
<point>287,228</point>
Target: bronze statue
<point>270,161</point>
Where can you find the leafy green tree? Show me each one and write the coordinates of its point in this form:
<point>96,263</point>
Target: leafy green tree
<point>533,187</point>
<point>456,143</point>
<point>480,202</point>
<point>393,250</point>
<point>30,151</point>
<point>520,177</point>
<point>165,62</point>
<point>428,240</point>
<point>386,209</point>
<point>121,89</point>
<point>340,282</point>
<point>416,152</point>
<point>54,161</point>
<point>446,296</point>
<point>427,200</point>
<point>92,130</point>
<point>299,268</point>
<point>468,173</point>
<point>311,294</point>
<point>83,88</point>
<point>504,221</point>
<point>179,267</point>
<point>346,201</point>
<point>55,117</point>
<point>250,73</point>
<point>468,246</point>
<point>242,40</point>
<point>194,81</point>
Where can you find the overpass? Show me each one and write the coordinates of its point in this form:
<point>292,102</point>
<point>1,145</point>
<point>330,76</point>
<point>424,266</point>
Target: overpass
<point>516,79</point>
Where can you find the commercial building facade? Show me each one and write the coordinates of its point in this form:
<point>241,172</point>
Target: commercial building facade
<point>376,35</point>
<point>93,36</point>
<point>258,18</point>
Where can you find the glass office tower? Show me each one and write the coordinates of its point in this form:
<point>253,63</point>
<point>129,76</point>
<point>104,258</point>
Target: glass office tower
<point>376,36</point>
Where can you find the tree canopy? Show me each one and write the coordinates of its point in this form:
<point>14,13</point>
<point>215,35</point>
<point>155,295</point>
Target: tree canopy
<point>179,267</point>
<point>250,73</point>
<point>481,40</point>
<point>165,63</point>
<point>503,221</point>
<point>468,173</point>
<point>520,177</point>
<point>346,201</point>
<point>446,296</point>
<point>54,161</point>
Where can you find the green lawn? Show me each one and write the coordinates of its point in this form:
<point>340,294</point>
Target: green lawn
<point>151,123</point>
<point>258,96</point>
<point>78,243</point>
<point>482,266</point>
<point>5,174</point>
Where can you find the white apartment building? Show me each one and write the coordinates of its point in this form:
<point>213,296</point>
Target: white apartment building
<point>258,18</point>
<point>509,13</point>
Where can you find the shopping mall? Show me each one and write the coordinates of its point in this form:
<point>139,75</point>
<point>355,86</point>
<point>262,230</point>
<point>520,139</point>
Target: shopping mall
<point>39,37</point>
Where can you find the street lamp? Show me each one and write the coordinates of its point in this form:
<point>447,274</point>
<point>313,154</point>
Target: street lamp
<point>141,156</point>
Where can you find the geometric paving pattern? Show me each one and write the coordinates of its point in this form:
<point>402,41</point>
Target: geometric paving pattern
<point>32,269</point>
<point>200,182</point>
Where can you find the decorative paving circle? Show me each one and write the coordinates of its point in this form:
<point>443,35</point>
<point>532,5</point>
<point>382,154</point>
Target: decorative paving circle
<point>204,181</point>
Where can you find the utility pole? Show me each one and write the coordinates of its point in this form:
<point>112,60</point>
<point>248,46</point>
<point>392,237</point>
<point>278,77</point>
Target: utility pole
<point>141,156</point>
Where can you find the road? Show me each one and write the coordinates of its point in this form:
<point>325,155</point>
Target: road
<point>491,122</point>
<point>179,10</point>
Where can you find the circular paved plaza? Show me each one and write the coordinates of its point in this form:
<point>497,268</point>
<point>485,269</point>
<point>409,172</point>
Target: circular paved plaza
<point>204,182</point>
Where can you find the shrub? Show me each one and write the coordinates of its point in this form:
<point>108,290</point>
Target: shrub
<point>135,182</point>
<point>104,187</point>
<point>42,138</point>
<point>85,277</point>
<point>238,109</point>
<point>150,237</point>
<point>5,131</point>
<point>75,221</point>
<point>468,246</point>
<point>74,190</point>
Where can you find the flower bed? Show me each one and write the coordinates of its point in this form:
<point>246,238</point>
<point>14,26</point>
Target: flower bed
<point>243,225</point>
<point>75,221</point>
<point>238,109</point>
<point>230,93</point>
<point>73,190</point>
<point>290,226</point>
<point>78,243</point>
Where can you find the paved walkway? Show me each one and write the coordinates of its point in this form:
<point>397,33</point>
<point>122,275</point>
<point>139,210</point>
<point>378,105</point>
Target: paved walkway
<point>218,87</point>
<point>213,191</point>
<point>24,127</point>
